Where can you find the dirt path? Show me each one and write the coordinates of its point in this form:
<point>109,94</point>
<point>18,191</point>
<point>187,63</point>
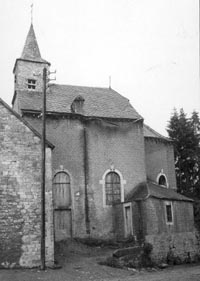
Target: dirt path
<point>80,263</point>
<point>88,270</point>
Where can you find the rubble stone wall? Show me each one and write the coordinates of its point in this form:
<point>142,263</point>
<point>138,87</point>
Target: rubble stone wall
<point>178,239</point>
<point>20,194</point>
<point>166,246</point>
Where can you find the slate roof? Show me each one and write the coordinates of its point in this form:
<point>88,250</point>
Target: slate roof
<point>24,122</point>
<point>150,189</point>
<point>150,133</point>
<point>98,102</point>
<point>31,49</point>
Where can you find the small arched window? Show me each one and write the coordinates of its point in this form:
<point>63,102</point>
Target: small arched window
<point>162,180</point>
<point>112,188</point>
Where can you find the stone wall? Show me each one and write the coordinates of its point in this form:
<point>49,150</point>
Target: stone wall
<point>160,155</point>
<point>155,217</point>
<point>29,70</point>
<point>24,71</point>
<point>178,239</point>
<point>182,247</point>
<point>20,193</point>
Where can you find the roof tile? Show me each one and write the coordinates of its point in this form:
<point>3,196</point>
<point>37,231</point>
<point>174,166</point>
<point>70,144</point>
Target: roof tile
<point>99,102</point>
<point>150,133</point>
<point>31,49</point>
<point>148,189</point>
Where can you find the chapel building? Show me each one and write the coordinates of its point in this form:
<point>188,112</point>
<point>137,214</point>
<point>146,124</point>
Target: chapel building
<point>113,176</point>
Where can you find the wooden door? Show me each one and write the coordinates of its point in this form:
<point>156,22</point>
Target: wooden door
<point>128,226</point>
<point>62,206</point>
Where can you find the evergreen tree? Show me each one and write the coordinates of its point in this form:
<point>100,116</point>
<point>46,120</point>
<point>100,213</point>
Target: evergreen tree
<point>185,132</point>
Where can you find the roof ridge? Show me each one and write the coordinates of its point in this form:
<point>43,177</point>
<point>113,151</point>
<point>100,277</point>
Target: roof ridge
<point>70,85</point>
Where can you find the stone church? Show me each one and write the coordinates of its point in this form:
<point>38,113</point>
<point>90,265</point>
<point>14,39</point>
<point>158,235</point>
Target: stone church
<point>113,177</point>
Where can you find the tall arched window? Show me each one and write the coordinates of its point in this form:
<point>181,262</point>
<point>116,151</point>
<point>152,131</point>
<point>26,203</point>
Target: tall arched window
<point>112,188</point>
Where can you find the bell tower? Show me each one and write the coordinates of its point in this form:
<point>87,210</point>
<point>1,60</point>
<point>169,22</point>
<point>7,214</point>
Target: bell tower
<point>29,67</point>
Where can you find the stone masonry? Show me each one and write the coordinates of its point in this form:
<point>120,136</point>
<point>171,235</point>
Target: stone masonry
<point>177,240</point>
<point>20,193</point>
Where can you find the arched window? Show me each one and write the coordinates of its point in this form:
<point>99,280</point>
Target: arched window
<point>112,188</point>
<point>62,193</point>
<point>162,180</point>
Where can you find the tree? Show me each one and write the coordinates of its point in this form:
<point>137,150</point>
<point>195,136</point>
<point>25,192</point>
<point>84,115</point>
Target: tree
<point>185,132</point>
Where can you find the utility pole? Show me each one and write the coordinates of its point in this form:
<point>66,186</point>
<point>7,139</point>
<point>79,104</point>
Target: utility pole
<point>43,174</point>
<point>43,170</point>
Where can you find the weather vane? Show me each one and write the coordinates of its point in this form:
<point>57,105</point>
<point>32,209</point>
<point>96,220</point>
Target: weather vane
<point>32,13</point>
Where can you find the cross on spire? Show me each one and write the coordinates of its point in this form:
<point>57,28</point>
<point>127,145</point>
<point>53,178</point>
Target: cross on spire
<point>32,13</point>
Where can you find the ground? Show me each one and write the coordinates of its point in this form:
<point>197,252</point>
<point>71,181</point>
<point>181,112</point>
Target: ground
<point>80,263</point>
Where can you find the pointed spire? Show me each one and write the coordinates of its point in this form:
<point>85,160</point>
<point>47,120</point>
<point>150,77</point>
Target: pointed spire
<point>31,50</point>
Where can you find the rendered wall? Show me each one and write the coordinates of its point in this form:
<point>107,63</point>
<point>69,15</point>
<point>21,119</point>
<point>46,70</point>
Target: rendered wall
<point>68,155</point>
<point>119,147</point>
<point>118,221</point>
<point>160,155</point>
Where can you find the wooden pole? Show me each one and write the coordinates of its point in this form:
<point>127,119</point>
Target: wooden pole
<point>43,171</point>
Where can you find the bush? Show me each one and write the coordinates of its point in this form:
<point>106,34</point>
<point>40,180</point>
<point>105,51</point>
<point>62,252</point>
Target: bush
<point>146,256</point>
<point>147,248</point>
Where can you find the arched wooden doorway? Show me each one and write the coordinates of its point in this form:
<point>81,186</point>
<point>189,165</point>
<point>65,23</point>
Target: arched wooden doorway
<point>62,206</point>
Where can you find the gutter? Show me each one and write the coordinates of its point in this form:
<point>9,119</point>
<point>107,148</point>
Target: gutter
<point>86,176</point>
<point>81,116</point>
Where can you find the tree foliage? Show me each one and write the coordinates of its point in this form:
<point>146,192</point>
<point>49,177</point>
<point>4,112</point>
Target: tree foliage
<point>185,132</point>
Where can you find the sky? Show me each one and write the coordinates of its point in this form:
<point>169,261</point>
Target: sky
<point>149,48</point>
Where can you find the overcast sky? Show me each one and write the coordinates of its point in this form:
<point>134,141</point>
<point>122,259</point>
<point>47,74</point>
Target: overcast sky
<point>149,47</point>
